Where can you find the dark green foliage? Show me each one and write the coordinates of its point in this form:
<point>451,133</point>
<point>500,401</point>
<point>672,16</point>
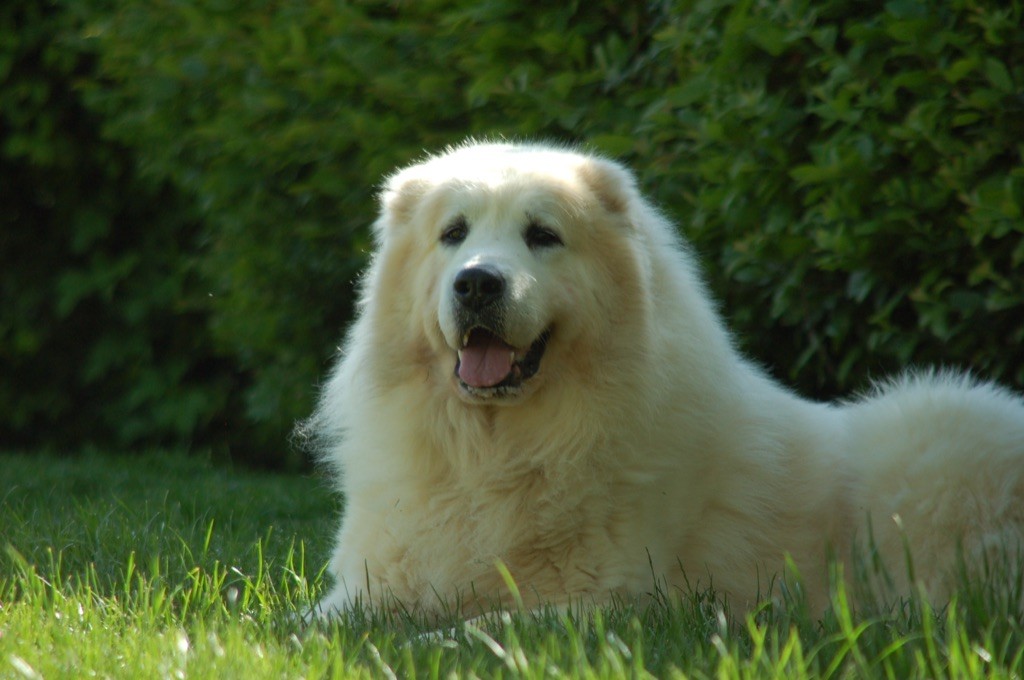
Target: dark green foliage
<point>850,172</point>
<point>856,172</point>
<point>102,337</point>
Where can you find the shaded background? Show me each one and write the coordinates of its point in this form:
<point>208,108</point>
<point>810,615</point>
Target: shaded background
<point>186,185</point>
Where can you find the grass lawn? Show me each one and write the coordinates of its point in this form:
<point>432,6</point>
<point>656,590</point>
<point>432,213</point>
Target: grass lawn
<point>165,566</point>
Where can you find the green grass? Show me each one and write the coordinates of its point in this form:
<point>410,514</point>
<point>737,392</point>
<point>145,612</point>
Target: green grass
<point>166,566</point>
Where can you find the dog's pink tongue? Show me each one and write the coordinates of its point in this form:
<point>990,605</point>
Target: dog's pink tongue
<point>485,361</point>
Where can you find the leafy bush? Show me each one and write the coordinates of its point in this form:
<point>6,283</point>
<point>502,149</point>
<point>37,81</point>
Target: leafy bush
<point>857,171</point>
<point>102,334</point>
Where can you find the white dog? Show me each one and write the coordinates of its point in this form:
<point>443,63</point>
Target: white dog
<point>539,386</point>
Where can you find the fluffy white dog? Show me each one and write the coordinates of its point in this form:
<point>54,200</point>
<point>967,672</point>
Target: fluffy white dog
<point>538,385</point>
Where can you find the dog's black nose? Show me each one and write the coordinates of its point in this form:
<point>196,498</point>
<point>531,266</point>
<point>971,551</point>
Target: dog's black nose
<point>478,286</point>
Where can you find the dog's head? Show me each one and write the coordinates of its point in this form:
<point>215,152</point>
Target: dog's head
<point>510,261</point>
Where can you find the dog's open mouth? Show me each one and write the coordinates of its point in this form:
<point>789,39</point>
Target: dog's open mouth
<point>489,366</point>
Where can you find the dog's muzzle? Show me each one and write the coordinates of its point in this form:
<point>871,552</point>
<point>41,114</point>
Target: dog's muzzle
<point>488,366</point>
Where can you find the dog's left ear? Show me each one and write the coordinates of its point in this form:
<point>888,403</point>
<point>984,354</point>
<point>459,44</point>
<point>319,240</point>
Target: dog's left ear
<point>614,186</point>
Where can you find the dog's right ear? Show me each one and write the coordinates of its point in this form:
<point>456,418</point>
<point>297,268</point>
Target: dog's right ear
<point>398,202</point>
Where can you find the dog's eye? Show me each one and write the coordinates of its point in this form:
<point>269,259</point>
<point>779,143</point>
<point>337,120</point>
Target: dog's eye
<point>455,233</point>
<point>539,236</point>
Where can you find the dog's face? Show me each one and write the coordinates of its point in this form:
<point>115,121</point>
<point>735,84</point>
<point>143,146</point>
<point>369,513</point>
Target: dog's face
<point>507,268</point>
<point>502,289</point>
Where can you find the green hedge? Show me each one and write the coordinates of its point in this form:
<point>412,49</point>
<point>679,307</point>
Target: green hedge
<point>103,337</point>
<point>850,171</point>
<point>856,172</point>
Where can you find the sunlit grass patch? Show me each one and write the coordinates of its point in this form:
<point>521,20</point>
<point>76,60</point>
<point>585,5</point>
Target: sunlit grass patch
<point>160,566</point>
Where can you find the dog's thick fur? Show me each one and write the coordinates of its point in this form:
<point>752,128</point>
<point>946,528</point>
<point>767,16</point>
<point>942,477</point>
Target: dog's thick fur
<point>643,448</point>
